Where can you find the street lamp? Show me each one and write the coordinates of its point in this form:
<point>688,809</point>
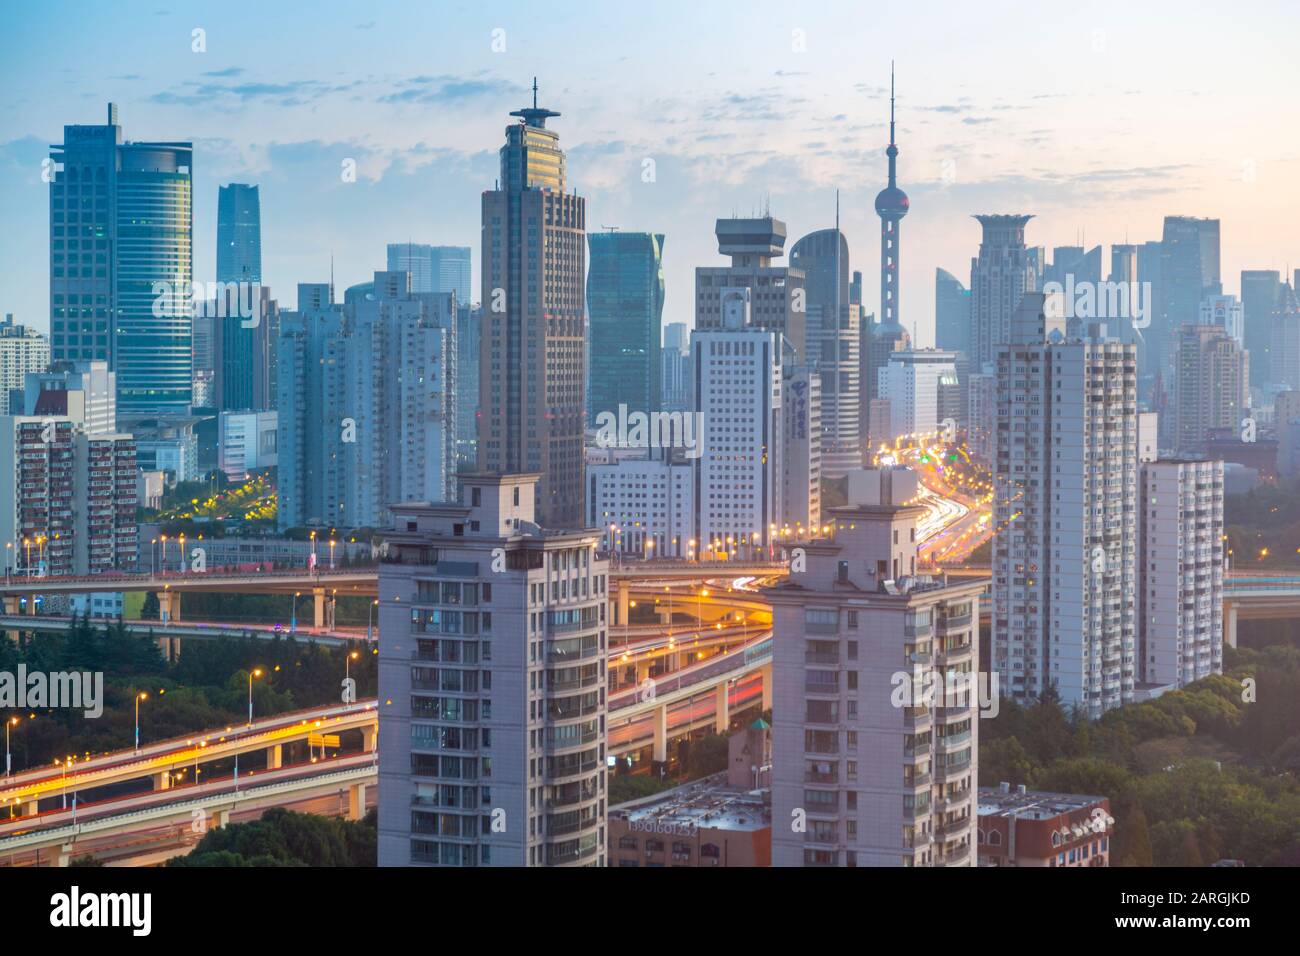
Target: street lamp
<point>293,618</point>
<point>313,551</point>
<point>138,697</point>
<point>153,556</point>
<point>255,672</point>
<point>332,544</point>
<point>347,664</point>
<point>370,610</point>
<point>163,539</point>
<point>11,722</point>
<point>181,566</point>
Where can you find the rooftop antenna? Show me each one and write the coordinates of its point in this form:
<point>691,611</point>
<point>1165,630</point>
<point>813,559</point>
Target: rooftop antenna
<point>534,92</point>
<point>331,277</point>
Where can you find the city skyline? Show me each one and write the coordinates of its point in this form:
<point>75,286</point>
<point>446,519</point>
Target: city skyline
<point>1012,140</point>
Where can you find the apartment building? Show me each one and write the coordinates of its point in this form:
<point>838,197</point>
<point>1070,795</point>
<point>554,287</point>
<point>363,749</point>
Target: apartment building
<point>875,723</point>
<point>492,684</point>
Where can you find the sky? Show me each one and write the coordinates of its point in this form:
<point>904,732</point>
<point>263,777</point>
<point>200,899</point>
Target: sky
<point>1098,118</point>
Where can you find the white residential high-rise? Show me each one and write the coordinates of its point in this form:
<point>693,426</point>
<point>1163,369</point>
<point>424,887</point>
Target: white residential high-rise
<point>492,677</point>
<point>644,506</point>
<point>22,350</point>
<point>875,736</point>
<point>1180,601</point>
<point>737,370</point>
<point>84,391</point>
<point>1065,510</point>
<point>1211,386</point>
<point>911,384</point>
<point>402,359</point>
<point>800,453</point>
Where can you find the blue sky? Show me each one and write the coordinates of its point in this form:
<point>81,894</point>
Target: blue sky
<point>1100,118</point>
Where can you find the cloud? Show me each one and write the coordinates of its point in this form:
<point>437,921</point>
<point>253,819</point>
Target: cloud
<point>450,90</point>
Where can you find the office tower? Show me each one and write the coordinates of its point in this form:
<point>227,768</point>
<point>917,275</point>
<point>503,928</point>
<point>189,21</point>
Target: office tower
<point>246,442</point>
<point>737,370</point>
<point>1000,276</point>
<point>910,381</point>
<point>532,366</point>
<point>869,768</point>
<point>644,506</point>
<point>433,268</point>
<point>1259,291</point>
<point>239,234</point>
<point>1284,348</point>
<point>1189,271</point>
<point>121,225</point>
<point>951,313</point>
<point>833,337</point>
<point>891,206</point>
<point>85,392</point>
<point>1211,387</point>
<point>1065,504</point>
<point>802,458</point>
<point>1180,597</point>
<point>675,366</point>
<point>1125,296</point>
<point>69,498</point>
<point>625,304</point>
<point>492,747</point>
<point>878,428</point>
<point>778,297</point>
<point>401,386</point>
<point>316,424</point>
<point>23,350</point>
<point>1226,312</point>
<point>982,413</point>
<point>1083,264</point>
<point>244,348</point>
<point>469,338</point>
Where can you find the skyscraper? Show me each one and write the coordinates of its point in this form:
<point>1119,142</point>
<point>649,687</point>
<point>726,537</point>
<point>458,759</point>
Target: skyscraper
<point>1000,275</point>
<point>1284,347</point>
<point>832,334</point>
<point>777,302</point>
<point>121,262</point>
<point>675,368</point>
<point>315,459</point>
<point>1259,292</point>
<point>625,304</point>
<point>532,366</point>
<point>1211,386</point>
<point>1189,271</point>
<point>891,206</point>
<point>239,234</point>
<point>433,268</point>
<point>469,337</point>
<point>951,313</point>
<point>1065,508</point>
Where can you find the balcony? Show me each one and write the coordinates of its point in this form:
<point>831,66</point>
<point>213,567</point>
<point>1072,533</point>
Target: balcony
<point>956,855</point>
<point>952,828</point>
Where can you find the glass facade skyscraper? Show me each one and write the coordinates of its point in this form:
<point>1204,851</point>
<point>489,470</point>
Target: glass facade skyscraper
<point>121,263</point>
<point>625,305</point>
<point>433,268</point>
<point>239,234</point>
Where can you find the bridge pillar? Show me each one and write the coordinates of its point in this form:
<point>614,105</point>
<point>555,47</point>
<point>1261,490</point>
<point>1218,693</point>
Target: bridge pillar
<point>660,720</point>
<point>722,712</point>
<point>369,738</point>
<point>31,604</point>
<point>64,855</point>
<point>624,603</point>
<point>275,757</point>
<point>318,607</point>
<point>162,780</point>
<point>31,808</point>
<point>169,605</point>
<point>1230,624</point>
<point>766,673</point>
<point>11,607</point>
<point>223,818</point>
<point>356,801</point>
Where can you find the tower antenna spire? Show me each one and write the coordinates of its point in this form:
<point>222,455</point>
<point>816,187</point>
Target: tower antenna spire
<point>891,102</point>
<point>534,92</point>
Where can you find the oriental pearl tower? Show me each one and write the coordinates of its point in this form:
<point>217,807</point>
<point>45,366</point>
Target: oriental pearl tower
<point>891,207</point>
<point>887,335</point>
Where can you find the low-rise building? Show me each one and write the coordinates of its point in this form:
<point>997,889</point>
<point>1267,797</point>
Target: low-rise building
<point>705,823</point>
<point>1019,827</point>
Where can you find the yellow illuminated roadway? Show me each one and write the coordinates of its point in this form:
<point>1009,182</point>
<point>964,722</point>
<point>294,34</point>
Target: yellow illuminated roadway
<point>178,757</point>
